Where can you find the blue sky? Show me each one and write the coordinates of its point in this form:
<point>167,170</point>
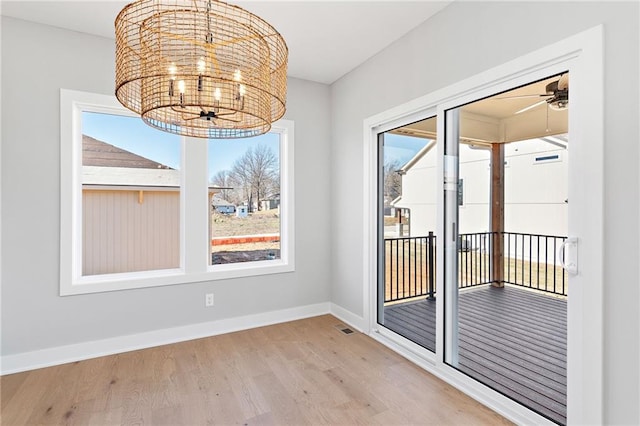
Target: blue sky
<point>131,134</point>
<point>401,148</point>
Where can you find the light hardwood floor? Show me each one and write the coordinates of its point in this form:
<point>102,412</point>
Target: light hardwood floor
<point>303,372</point>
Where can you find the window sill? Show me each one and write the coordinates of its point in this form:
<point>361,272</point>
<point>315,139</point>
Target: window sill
<point>146,279</point>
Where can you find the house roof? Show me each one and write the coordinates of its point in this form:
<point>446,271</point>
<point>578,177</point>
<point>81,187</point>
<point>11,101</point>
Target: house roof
<point>101,154</point>
<point>220,202</point>
<point>104,164</point>
<point>395,200</point>
<point>418,156</point>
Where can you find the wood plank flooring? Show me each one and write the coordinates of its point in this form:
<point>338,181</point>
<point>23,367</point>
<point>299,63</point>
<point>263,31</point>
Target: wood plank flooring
<point>304,372</point>
<point>512,340</point>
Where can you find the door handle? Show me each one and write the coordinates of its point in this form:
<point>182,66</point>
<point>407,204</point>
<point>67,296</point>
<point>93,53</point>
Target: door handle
<point>567,255</point>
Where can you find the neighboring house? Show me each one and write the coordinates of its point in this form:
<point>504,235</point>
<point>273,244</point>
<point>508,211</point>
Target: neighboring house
<point>137,200</point>
<point>130,207</point>
<point>221,205</point>
<point>131,211</point>
<point>270,203</point>
<point>535,189</point>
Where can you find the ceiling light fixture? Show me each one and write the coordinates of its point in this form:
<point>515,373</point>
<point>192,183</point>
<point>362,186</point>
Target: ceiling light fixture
<point>200,68</point>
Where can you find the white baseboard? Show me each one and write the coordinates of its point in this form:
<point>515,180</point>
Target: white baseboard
<point>349,317</point>
<point>25,361</point>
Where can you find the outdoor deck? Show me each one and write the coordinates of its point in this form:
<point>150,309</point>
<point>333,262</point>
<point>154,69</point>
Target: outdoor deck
<point>513,340</point>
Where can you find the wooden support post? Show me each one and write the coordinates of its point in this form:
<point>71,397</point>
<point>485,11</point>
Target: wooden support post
<point>497,214</point>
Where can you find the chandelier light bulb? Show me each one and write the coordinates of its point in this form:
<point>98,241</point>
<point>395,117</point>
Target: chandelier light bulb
<point>172,71</point>
<point>237,76</point>
<point>217,94</point>
<point>202,65</point>
<point>181,86</point>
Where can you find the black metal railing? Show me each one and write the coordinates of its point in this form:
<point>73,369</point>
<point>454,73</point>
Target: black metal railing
<point>474,260</point>
<point>529,260</point>
<point>409,267</point>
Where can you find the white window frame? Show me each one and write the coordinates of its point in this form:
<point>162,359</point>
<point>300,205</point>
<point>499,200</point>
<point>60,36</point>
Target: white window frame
<point>195,247</point>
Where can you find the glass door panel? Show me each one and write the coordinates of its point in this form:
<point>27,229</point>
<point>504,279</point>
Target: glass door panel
<point>407,184</point>
<point>505,213</point>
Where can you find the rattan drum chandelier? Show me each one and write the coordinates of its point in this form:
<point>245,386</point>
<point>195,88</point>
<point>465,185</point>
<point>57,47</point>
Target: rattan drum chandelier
<point>200,68</point>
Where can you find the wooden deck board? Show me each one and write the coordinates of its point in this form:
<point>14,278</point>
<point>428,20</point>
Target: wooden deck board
<point>525,360</point>
<point>549,369</point>
<point>417,322</point>
<point>524,337</point>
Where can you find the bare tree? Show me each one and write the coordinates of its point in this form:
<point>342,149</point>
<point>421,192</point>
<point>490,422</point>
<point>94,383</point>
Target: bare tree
<point>264,171</point>
<point>257,172</point>
<point>222,179</point>
<point>392,180</point>
<point>241,181</point>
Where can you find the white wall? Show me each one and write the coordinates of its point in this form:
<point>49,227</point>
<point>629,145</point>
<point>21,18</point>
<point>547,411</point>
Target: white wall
<point>465,39</point>
<point>37,61</point>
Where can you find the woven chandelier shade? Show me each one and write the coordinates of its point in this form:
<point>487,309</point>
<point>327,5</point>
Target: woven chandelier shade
<point>200,68</point>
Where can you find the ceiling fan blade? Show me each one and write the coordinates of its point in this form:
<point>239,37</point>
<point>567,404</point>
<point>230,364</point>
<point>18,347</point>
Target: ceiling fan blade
<point>524,96</point>
<point>537,104</point>
<point>563,83</point>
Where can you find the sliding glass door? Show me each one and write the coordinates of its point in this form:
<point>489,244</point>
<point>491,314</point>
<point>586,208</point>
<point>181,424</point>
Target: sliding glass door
<point>501,182</point>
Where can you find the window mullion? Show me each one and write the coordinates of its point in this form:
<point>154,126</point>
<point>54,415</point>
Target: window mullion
<point>194,208</point>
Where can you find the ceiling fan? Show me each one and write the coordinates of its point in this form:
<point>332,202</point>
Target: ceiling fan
<point>557,95</point>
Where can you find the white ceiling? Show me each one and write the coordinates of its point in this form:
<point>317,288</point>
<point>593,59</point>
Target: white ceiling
<point>326,39</point>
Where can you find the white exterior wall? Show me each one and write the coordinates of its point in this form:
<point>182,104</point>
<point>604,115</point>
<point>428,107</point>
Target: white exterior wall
<point>473,215</point>
<point>419,194</point>
<point>419,186</point>
<point>535,193</point>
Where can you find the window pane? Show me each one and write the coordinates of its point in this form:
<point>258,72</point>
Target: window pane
<point>244,196</point>
<point>130,196</point>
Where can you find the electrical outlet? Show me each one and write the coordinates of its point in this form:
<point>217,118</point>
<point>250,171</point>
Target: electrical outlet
<point>208,300</point>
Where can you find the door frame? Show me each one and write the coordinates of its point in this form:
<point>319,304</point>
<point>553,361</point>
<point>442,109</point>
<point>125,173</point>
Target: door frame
<point>582,56</point>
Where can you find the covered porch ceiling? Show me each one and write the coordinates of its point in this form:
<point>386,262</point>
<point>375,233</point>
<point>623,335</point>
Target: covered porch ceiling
<point>503,118</point>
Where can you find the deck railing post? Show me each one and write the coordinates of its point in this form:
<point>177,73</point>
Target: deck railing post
<point>430,253</point>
